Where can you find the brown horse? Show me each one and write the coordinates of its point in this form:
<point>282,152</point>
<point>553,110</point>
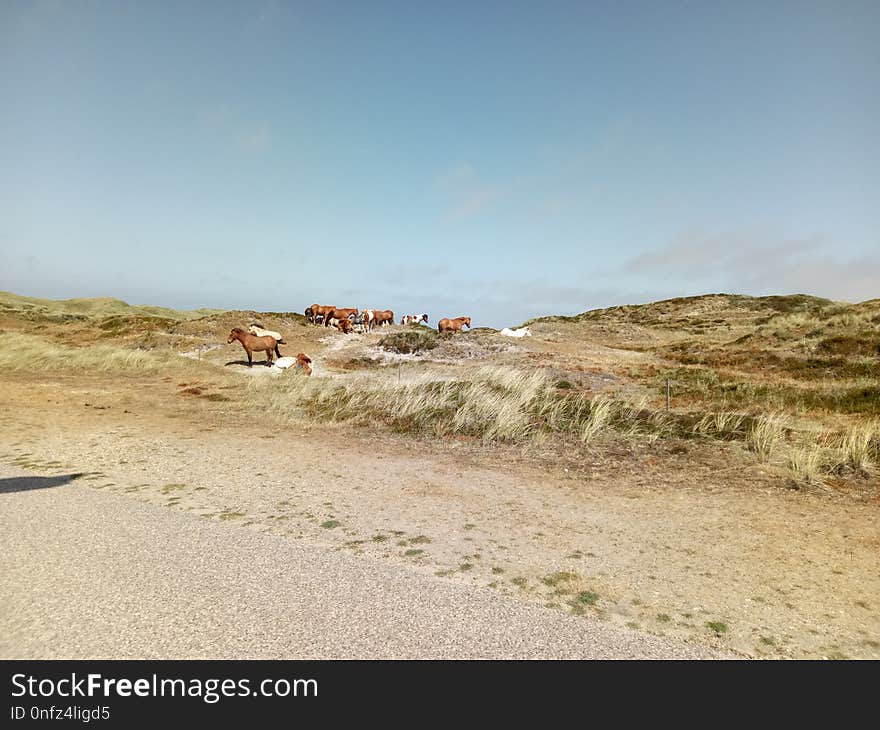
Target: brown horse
<point>304,363</point>
<point>372,317</point>
<point>453,325</point>
<point>253,343</point>
<point>339,314</point>
<point>345,326</point>
<point>317,310</point>
<point>382,316</point>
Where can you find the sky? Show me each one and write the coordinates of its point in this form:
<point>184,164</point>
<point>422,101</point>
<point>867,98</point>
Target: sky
<point>502,160</point>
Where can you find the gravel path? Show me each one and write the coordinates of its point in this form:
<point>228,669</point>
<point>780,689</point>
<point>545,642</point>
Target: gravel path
<point>87,574</point>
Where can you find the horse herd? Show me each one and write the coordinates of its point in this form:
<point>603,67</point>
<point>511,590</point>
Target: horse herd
<point>345,319</point>
<point>350,319</point>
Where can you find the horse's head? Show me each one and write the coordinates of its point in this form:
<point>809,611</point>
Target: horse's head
<point>309,312</point>
<point>466,320</point>
<point>424,318</point>
<point>234,334</point>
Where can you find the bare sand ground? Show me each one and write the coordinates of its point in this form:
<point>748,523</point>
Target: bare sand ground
<point>688,545</point>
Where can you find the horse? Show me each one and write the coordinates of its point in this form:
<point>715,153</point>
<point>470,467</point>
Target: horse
<point>367,316</point>
<point>304,363</point>
<point>381,316</point>
<point>253,343</point>
<point>300,362</point>
<point>521,332</point>
<point>319,310</point>
<point>414,319</point>
<point>345,326</point>
<point>453,325</point>
<point>257,329</point>
<point>334,312</point>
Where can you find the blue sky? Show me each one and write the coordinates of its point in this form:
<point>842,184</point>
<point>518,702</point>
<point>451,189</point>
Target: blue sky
<point>497,159</point>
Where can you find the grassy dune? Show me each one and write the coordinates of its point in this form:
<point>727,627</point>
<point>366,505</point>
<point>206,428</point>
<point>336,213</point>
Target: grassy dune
<point>85,308</point>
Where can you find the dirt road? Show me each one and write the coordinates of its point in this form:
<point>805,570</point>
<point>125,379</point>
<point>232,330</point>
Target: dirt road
<point>90,574</point>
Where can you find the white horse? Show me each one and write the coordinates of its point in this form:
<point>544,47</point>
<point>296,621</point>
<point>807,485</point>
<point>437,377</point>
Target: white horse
<point>521,332</point>
<point>283,363</point>
<point>257,330</point>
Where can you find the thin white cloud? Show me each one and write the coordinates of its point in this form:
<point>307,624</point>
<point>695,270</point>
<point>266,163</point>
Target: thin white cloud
<point>475,202</point>
<point>465,193</point>
<point>256,138</point>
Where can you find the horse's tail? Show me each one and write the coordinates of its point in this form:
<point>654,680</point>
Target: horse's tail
<point>277,351</point>
<point>281,341</point>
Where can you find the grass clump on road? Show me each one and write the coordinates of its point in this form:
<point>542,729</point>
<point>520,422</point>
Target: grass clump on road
<point>584,600</point>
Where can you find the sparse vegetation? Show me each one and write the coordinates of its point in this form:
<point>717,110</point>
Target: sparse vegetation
<point>563,576</point>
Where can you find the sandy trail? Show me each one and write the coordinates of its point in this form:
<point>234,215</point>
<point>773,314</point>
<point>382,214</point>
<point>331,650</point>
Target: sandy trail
<point>699,551</point>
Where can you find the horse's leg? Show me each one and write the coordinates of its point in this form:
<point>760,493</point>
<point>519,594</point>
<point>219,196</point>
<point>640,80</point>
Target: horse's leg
<point>250,357</point>
<point>269,356</point>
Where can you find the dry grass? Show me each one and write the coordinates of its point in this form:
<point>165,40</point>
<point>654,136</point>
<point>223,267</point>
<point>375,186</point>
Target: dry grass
<point>720,424</point>
<point>492,403</point>
<point>28,353</point>
<point>596,418</point>
<point>765,435</point>
<point>807,465</point>
<point>860,446</point>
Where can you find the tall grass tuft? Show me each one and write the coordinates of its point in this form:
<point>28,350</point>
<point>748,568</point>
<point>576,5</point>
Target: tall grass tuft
<point>807,465</point>
<point>859,447</point>
<point>765,434</point>
<point>721,424</point>
<point>596,418</point>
